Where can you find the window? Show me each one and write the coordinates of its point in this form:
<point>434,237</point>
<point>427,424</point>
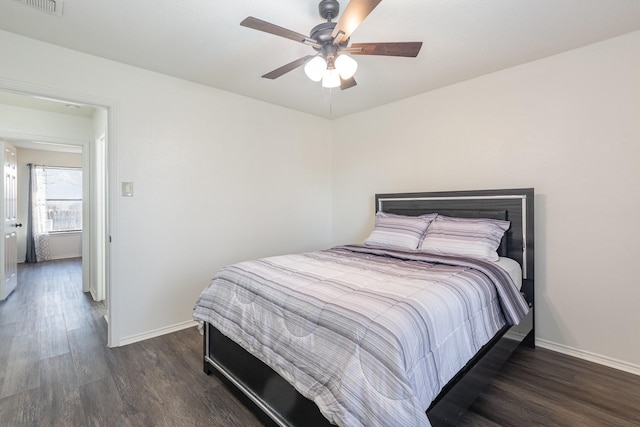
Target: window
<point>64,199</point>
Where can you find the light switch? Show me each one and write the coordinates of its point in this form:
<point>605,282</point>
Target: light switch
<point>127,189</point>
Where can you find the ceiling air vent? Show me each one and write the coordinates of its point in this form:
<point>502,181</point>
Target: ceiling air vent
<point>53,7</point>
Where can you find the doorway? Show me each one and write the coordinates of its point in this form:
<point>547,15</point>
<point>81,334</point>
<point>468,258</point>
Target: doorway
<point>93,146</point>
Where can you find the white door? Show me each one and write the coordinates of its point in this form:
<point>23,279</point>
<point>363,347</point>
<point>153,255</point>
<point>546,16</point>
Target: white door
<point>9,201</point>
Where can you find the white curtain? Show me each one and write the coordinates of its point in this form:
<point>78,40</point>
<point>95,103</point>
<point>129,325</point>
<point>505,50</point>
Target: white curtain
<point>40,223</point>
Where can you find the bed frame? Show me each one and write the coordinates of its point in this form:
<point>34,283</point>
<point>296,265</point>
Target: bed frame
<point>277,403</point>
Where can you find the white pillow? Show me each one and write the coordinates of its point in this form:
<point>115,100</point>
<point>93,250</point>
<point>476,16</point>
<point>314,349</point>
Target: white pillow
<point>399,231</point>
<point>477,238</point>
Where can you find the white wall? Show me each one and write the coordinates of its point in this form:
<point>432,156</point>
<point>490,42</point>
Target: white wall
<point>568,125</point>
<point>217,178</point>
<point>66,245</point>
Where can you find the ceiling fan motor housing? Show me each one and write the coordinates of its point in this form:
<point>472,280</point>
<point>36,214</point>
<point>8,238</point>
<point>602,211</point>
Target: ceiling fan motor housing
<point>329,9</point>
<point>322,32</point>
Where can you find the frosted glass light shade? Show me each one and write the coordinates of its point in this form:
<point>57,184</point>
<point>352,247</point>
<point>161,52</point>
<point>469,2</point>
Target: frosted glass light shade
<point>315,68</point>
<point>331,78</point>
<point>346,66</point>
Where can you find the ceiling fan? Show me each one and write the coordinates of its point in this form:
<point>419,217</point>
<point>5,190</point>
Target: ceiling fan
<point>331,64</point>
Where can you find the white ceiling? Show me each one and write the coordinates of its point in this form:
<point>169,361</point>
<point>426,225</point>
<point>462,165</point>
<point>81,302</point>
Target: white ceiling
<point>202,41</point>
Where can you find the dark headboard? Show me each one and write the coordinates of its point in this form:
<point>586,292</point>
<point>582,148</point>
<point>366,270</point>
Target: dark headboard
<point>515,205</point>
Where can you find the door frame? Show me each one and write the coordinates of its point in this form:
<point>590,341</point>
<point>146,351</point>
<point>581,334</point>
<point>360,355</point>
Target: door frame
<point>106,178</point>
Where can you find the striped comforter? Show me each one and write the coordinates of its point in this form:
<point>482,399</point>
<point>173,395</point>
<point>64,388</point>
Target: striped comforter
<point>370,335</point>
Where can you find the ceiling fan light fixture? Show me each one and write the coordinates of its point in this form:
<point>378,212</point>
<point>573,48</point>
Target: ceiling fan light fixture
<point>330,39</point>
<point>316,68</point>
<point>346,66</point>
<point>331,78</point>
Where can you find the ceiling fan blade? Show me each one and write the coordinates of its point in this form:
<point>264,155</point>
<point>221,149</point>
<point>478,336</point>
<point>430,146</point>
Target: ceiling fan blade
<point>351,18</point>
<point>267,27</point>
<point>410,49</point>
<point>347,83</point>
<point>288,67</point>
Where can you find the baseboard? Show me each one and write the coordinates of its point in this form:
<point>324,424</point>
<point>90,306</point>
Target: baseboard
<point>591,357</point>
<point>157,332</point>
<point>67,256</point>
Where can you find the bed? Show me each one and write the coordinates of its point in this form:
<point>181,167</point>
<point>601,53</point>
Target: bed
<point>376,367</point>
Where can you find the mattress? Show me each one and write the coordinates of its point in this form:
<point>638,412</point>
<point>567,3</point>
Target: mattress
<point>370,335</point>
<point>512,268</point>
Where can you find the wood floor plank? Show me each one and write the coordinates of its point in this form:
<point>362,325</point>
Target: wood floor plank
<point>102,404</point>
<point>59,399</point>
<point>76,314</point>
<point>22,409</point>
<point>52,336</point>
<point>7,332</point>
<point>136,383</point>
<point>48,303</point>
<point>22,367</point>
<point>88,355</point>
<point>224,409</point>
<point>12,311</point>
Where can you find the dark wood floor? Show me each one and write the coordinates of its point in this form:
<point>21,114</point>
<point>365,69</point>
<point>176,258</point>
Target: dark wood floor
<point>544,388</point>
<point>55,370</point>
